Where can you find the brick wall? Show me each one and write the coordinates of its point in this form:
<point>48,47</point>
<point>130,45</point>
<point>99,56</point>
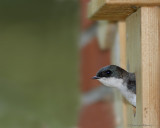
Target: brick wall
<point>97,114</point>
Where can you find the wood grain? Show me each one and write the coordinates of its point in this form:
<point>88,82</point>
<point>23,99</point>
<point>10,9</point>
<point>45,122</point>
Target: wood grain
<point>143,57</point>
<point>135,2</point>
<point>122,40</point>
<point>105,11</point>
<point>114,10</point>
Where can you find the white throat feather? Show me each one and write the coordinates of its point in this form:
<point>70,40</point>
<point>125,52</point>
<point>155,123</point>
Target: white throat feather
<point>121,86</point>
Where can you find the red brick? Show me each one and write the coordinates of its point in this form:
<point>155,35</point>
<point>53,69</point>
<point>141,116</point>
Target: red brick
<point>92,59</point>
<point>98,115</point>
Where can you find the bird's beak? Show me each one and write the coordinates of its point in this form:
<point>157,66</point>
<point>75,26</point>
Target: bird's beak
<point>95,77</point>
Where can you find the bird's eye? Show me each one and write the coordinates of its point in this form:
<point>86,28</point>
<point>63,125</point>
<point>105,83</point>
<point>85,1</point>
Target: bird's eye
<point>108,72</point>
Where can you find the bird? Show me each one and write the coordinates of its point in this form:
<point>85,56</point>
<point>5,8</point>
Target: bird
<point>117,77</point>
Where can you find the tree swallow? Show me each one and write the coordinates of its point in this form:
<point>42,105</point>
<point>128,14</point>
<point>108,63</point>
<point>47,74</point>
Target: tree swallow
<point>125,82</point>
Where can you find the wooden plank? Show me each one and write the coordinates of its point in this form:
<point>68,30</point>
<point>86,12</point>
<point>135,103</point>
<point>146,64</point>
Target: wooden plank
<point>104,11</point>
<point>135,2</point>
<point>143,58</point>
<point>116,9</point>
<point>151,60</point>
<point>133,24</point>
<point>122,41</point>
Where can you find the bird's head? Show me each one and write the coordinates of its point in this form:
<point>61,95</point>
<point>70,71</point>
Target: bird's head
<point>112,76</point>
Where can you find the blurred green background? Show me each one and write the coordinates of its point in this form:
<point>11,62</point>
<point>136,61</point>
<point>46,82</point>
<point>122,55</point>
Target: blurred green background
<point>38,63</point>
